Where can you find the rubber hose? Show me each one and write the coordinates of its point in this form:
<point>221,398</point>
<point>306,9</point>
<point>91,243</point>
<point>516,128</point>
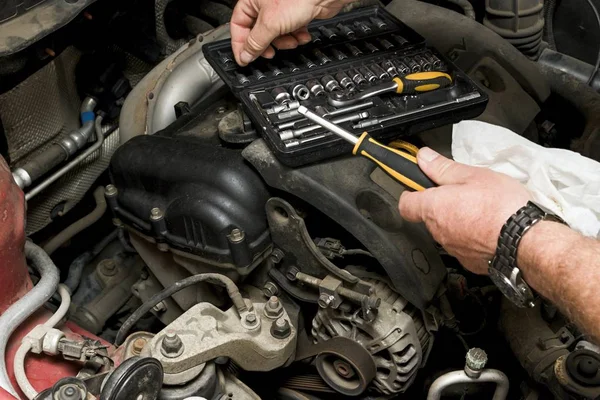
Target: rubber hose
<point>16,314</point>
<point>81,224</point>
<point>549,10</point>
<point>19,360</point>
<point>215,279</point>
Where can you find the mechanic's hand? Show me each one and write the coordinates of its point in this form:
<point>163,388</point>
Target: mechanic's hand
<point>256,24</point>
<point>467,211</point>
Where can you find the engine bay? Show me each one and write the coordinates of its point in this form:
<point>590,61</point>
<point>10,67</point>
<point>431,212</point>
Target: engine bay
<point>161,241</point>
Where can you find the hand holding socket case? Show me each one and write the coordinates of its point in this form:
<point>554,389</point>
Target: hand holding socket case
<point>348,54</point>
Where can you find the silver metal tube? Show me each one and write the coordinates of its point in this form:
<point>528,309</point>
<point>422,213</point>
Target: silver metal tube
<point>77,139</point>
<point>328,125</point>
<point>16,314</point>
<point>456,377</point>
<point>68,167</point>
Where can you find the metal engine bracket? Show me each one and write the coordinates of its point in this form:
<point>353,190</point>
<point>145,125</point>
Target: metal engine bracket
<point>205,332</point>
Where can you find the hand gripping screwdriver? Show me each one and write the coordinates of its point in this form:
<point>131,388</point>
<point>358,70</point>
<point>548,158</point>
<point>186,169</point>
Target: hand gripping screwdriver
<point>417,83</point>
<point>399,165</point>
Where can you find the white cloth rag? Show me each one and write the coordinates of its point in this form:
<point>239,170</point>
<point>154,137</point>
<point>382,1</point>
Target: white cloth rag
<point>563,181</point>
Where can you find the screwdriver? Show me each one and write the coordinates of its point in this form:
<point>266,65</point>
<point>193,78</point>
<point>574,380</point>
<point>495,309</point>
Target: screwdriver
<point>399,165</point>
<point>416,83</point>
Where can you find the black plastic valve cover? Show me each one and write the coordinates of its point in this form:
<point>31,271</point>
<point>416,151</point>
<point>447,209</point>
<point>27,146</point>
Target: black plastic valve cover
<point>203,193</point>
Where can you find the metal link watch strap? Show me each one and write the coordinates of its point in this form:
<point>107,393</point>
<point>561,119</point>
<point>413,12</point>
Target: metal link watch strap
<point>505,259</point>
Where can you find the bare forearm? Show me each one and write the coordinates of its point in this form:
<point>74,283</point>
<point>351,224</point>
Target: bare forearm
<point>564,267</point>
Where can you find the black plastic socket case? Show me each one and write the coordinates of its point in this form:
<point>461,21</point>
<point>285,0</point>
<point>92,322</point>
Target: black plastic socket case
<point>365,40</point>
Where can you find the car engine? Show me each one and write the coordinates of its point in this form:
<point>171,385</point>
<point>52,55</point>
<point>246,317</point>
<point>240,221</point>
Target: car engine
<point>152,245</point>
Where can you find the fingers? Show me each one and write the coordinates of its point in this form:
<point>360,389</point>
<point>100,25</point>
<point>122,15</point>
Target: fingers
<point>302,35</point>
<point>442,170</point>
<point>269,52</point>
<point>285,42</point>
<point>243,18</point>
<point>258,40</point>
<point>411,206</point>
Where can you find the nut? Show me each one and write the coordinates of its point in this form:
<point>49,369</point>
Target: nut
<point>251,318</point>
<point>281,329</point>
<point>236,235</point>
<point>270,289</point>
<point>273,308</point>
<point>110,191</point>
<point>138,345</point>
<point>107,267</point>
<point>160,307</point>
<point>172,346</point>
<point>156,214</point>
<point>277,256</point>
<point>325,300</point>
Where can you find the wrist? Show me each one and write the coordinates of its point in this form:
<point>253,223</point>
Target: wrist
<point>543,249</point>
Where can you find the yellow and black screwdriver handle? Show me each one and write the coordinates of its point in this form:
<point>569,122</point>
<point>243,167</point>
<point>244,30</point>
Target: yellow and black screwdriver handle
<point>422,82</point>
<point>396,163</point>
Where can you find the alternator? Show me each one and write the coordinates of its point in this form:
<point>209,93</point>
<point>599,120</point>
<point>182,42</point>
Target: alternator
<point>397,339</point>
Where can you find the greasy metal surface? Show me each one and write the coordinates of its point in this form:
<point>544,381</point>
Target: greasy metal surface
<point>208,333</point>
<point>391,339</point>
<point>342,189</point>
<point>18,33</point>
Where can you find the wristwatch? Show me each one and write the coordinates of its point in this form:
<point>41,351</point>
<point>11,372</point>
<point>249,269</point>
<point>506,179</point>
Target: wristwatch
<point>503,268</point>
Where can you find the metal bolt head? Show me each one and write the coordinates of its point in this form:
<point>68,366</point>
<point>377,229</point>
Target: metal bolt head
<point>172,346</point>
<point>107,267</point>
<point>236,235</point>
<point>160,307</point>
<point>325,300</point>
<point>138,345</point>
<point>250,318</point>
<point>281,329</point>
<point>291,274</point>
<point>273,308</point>
<point>270,289</point>
<point>156,214</point>
<point>110,191</point>
<point>476,359</point>
<point>277,256</point>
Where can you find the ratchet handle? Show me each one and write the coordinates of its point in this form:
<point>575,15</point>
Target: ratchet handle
<point>398,164</point>
<point>422,82</point>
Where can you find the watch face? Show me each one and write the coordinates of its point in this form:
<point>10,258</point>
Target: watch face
<point>518,292</point>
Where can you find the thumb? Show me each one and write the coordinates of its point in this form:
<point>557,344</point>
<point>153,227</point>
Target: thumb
<point>442,170</point>
<point>260,37</point>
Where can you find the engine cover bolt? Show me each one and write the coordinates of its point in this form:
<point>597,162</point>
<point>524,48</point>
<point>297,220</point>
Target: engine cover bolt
<point>236,235</point>
<point>138,345</point>
<point>251,319</point>
<point>325,300</point>
<point>172,346</point>
<point>277,256</point>
<point>273,308</point>
<point>475,361</point>
<point>291,274</point>
<point>270,289</point>
<point>110,191</point>
<point>156,214</point>
<point>280,329</point>
<point>107,267</point>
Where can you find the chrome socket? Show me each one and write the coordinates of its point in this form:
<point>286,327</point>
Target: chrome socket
<point>399,39</point>
<point>330,84</point>
<point>346,31</point>
<point>402,68</point>
<point>300,92</point>
<point>292,67</point>
<point>315,88</point>
<point>413,65</point>
<point>258,74</point>
<point>368,74</point>
<point>338,54</point>
<point>357,77</point>
<point>309,64</point>
<point>331,35</point>
<point>355,51</point>
<point>424,63</point>
<point>243,79</point>
<point>371,47</point>
<point>386,44</point>
<point>281,95</point>
<point>344,80</point>
<point>390,68</point>
<point>276,71</point>
<point>379,72</point>
<point>323,59</point>
<point>363,27</point>
<point>379,23</point>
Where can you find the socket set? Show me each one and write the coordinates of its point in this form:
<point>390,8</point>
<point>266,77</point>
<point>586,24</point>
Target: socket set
<point>344,74</point>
